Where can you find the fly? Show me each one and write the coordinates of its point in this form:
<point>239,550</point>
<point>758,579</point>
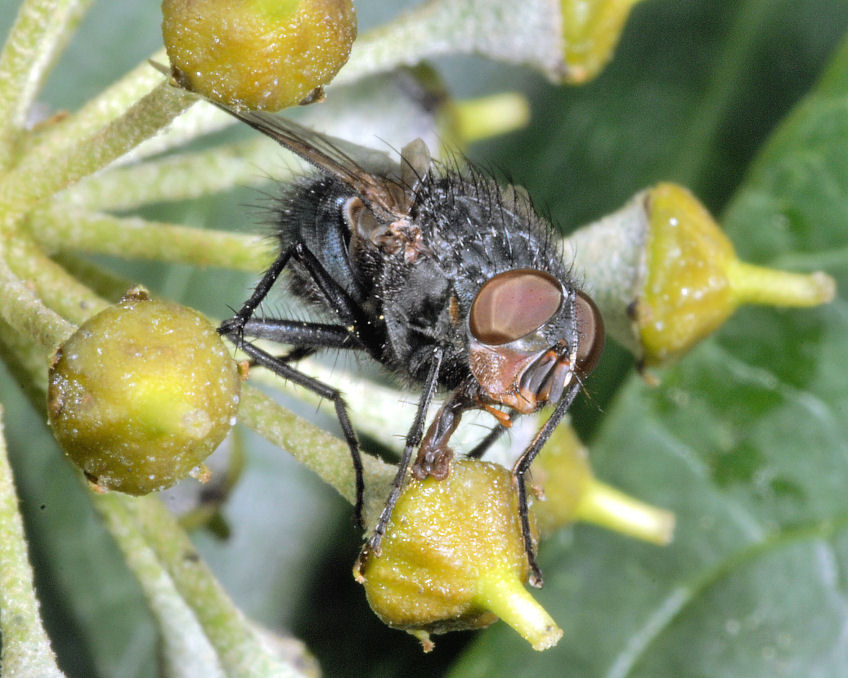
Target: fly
<point>441,275</point>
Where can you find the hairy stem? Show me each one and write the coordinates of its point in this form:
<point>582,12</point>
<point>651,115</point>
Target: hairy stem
<point>26,647</point>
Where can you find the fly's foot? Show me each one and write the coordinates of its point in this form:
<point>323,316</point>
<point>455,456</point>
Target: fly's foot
<point>535,579</point>
<point>234,327</point>
<point>359,510</point>
<point>371,546</point>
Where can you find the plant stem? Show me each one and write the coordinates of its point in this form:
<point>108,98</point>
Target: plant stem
<point>186,651</point>
<point>21,308</point>
<point>320,451</point>
<point>96,113</point>
<point>26,647</point>
<point>41,29</point>
<point>136,238</point>
<point>55,287</point>
<point>241,652</point>
<point>188,175</point>
<point>36,178</point>
<point>527,32</point>
<point>105,284</point>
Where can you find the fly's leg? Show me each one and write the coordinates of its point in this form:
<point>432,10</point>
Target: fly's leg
<point>347,310</point>
<point>304,336</point>
<point>413,439</point>
<point>522,465</point>
<point>286,371</point>
<point>434,455</point>
<point>314,336</point>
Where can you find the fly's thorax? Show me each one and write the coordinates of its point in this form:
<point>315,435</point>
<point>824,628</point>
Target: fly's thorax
<point>462,231</point>
<point>421,312</point>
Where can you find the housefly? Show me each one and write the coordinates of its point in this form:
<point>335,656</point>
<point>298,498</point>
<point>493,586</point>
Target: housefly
<point>440,274</point>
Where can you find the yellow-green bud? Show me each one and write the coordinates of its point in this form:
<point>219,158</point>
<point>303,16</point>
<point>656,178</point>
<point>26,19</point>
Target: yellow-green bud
<point>665,275</point>
<point>258,54</point>
<point>453,558</point>
<point>591,29</point>
<point>141,394</point>
<point>695,280</point>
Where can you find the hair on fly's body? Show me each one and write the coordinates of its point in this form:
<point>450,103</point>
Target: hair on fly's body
<point>436,272</point>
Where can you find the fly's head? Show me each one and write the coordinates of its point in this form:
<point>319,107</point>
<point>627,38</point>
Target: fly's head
<point>529,336</point>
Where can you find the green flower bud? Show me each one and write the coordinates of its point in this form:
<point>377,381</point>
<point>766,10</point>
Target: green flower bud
<point>258,54</point>
<point>453,558</point>
<point>665,275</point>
<point>141,394</point>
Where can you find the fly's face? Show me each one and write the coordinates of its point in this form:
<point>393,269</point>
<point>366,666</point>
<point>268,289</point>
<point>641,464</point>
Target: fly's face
<point>529,335</point>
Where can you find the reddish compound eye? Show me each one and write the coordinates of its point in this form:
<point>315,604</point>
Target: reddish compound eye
<point>590,334</point>
<point>513,304</point>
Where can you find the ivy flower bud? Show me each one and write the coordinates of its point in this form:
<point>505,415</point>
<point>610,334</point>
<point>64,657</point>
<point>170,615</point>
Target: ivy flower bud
<point>141,394</point>
<point>453,558</point>
<point>591,29</point>
<point>665,276</point>
<point>572,493</point>
<point>258,54</point>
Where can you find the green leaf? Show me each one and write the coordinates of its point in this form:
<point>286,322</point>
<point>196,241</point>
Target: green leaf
<point>746,440</point>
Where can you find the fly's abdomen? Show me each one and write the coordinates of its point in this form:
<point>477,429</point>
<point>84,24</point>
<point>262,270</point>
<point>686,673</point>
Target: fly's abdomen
<point>311,212</point>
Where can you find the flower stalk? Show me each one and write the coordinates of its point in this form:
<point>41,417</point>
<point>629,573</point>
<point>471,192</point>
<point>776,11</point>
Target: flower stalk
<point>40,31</point>
<point>186,649</point>
<point>26,647</point>
<point>239,648</point>
<point>100,233</point>
<point>36,178</point>
<point>521,33</point>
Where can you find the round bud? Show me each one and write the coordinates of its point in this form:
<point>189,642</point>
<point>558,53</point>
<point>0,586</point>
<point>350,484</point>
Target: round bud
<point>258,54</point>
<point>453,558</point>
<point>141,394</point>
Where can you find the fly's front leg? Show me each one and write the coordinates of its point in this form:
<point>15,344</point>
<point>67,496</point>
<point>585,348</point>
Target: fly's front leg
<point>345,308</point>
<point>234,327</point>
<point>483,446</point>
<point>413,439</point>
<point>304,334</point>
<point>522,465</point>
<point>434,456</point>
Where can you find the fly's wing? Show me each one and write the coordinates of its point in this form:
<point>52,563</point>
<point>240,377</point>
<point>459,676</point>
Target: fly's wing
<point>388,189</point>
<point>328,154</point>
<point>384,186</point>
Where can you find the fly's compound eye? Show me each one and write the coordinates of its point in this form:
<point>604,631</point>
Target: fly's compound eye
<point>590,334</point>
<point>513,304</point>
